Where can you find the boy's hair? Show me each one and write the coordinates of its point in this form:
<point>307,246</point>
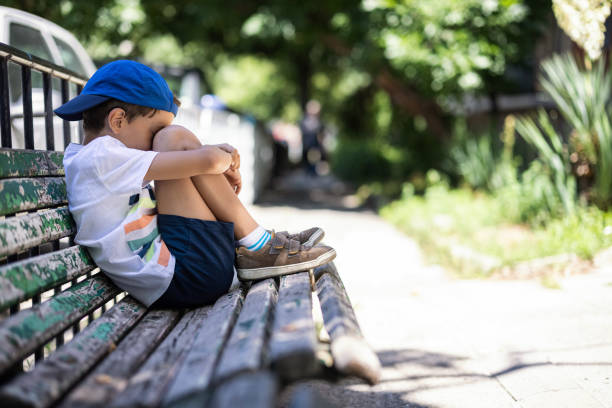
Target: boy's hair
<point>94,118</point>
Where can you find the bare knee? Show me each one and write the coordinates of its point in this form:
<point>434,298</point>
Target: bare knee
<point>175,137</point>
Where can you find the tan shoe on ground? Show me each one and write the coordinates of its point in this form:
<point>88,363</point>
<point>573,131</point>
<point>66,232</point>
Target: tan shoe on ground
<point>280,256</point>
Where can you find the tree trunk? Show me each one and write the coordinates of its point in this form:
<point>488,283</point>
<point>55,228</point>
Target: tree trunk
<point>412,103</point>
<point>401,94</point>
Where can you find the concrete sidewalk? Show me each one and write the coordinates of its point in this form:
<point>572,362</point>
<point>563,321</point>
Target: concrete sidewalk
<point>459,343</point>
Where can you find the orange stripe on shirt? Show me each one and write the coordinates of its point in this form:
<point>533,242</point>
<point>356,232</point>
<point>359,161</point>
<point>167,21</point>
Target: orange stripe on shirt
<point>164,255</point>
<point>139,223</point>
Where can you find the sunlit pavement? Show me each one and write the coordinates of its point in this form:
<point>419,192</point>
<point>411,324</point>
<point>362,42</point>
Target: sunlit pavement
<point>456,343</point>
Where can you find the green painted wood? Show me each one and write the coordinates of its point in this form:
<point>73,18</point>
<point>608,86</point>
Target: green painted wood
<point>24,279</point>
<point>195,373</point>
<point>23,194</point>
<point>352,355</point>
<point>147,386</point>
<point>30,163</point>
<point>22,333</point>
<point>245,347</point>
<point>51,378</point>
<point>293,343</point>
<point>113,373</point>
<point>254,390</point>
<point>23,232</point>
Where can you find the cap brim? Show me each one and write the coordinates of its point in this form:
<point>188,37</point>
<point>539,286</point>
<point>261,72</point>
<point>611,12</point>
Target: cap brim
<point>74,108</point>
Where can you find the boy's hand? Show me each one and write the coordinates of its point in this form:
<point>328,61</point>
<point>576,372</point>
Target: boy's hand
<point>234,178</point>
<point>234,152</point>
<point>232,174</point>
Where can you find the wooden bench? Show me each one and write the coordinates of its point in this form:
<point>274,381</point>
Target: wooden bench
<point>241,351</point>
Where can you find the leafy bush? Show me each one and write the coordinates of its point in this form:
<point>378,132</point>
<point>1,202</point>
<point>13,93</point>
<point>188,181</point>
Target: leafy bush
<point>558,183</point>
<point>583,97</point>
<point>473,157</point>
<point>487,223</point>
<point>366,161</point>
<point>448,46</point>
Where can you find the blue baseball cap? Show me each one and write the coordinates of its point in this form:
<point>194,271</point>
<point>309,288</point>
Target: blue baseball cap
<point>124,80</point>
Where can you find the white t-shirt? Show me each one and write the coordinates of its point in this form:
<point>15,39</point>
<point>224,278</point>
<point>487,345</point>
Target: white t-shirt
<point>116,216</point>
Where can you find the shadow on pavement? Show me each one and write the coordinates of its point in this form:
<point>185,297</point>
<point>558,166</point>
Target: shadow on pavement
<point>406,372</point>
<point>336,395</point>
<point>297,189</point>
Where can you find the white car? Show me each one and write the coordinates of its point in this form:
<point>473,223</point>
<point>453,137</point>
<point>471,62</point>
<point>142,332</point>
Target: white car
<point>44,39</point>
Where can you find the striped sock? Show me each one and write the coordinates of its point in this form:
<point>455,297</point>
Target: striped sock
<point>256,239</point>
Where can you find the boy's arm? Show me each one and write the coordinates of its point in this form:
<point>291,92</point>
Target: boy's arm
<point>187,163</point>
<point>192,158</point>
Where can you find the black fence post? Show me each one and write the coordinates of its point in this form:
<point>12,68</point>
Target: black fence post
<point>65,98</point>
<point>48,93</point>
<point>28,120</point>
<point>5,104</point>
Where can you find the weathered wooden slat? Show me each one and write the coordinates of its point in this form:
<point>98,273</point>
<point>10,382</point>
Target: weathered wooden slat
<point>23,279</point>
<point>253,390</point>
<point>54,376</point>
<point>293,341</point>
<point>22,333</point>
<point>194,375</point>
<point>112,374</point>
<point>23,232</point>
<point>351,353</point>
<point>245,347</point>
<point>22,194</point>
<point>148,385</point>
<point>330,267</point>
<point>30,163</point>
<point>340,318</point>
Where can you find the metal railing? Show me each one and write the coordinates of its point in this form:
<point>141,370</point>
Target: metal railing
<point>48,70</point>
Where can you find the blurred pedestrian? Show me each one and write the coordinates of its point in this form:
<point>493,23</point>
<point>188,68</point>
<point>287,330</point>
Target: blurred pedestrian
<point>312,137</point>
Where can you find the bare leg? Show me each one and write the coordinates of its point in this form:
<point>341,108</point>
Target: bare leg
<point>180,197</point>
<point>224,203</point>
<point>206,197</point>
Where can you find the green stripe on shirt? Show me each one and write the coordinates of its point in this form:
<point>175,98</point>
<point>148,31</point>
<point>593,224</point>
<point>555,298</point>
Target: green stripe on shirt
<point>139,243</point>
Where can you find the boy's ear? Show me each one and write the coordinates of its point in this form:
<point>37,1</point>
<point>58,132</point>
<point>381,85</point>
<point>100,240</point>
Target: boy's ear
<point>115,119</point>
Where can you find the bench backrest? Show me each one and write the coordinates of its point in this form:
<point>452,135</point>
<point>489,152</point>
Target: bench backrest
<point>49,288</point>
<point>47,284</point>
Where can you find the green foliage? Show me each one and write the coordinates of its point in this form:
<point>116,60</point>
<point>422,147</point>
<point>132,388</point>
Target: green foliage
<point>366,161</point>
<point>533,198</point>
<point>544,190</point>
<point>548,188</point>
<point>486,223</point>
<point>345,53</point>
<point>583,97</point>
<point>558,184</point>
<point>257,86</point>
<point>473,158</point>
<point>448,44</point>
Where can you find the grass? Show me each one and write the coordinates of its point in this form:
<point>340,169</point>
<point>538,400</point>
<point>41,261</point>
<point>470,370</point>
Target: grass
<point>549,282</point>
<point>444,218</point>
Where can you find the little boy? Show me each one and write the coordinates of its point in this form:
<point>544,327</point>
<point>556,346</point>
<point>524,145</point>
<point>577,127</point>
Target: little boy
<point>175,245</point>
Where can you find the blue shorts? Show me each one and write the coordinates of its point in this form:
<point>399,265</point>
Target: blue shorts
<point>204,252</point>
